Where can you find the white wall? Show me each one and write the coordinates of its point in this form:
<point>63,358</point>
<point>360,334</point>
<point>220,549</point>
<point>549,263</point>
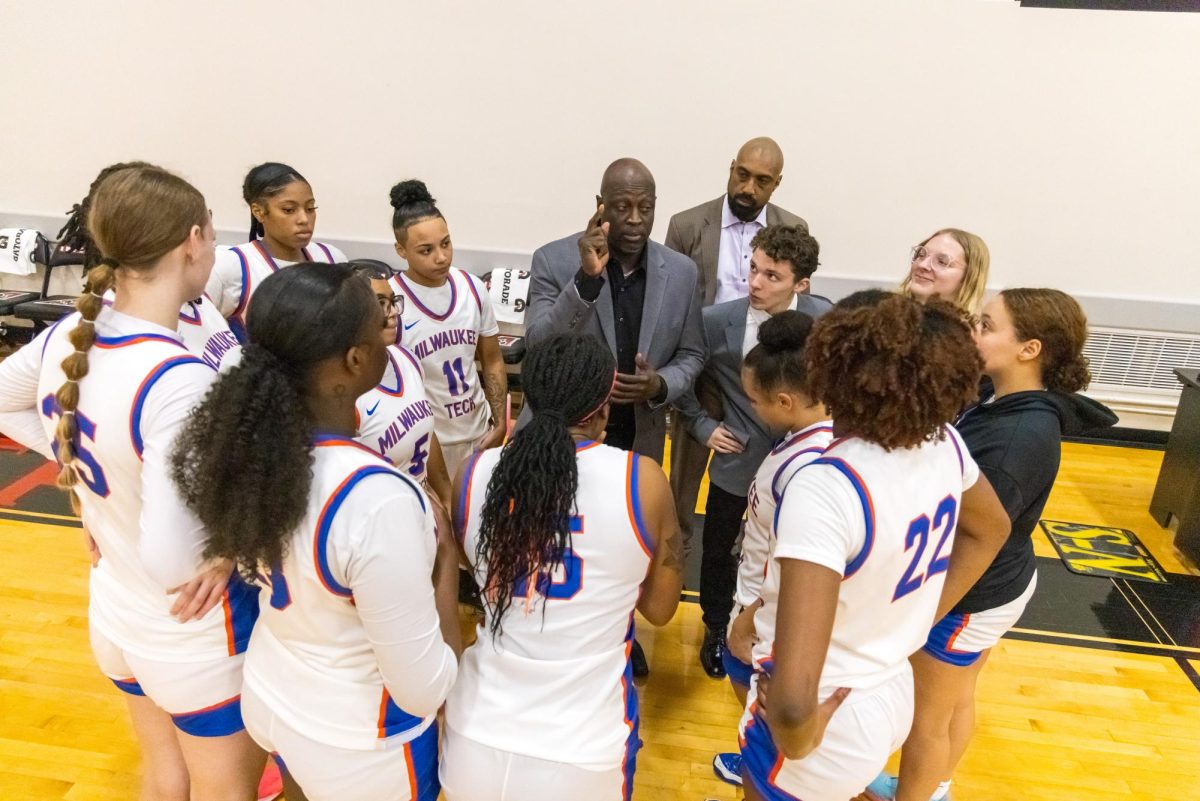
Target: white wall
<point>1069,139</point>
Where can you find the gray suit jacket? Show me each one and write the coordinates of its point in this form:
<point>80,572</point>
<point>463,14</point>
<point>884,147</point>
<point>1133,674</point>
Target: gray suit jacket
<point>724,335</point>
<point>670,336</point>
<point>696,233</point>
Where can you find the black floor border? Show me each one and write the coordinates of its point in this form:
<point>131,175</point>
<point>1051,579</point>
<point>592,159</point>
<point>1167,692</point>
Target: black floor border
<point>23,517</point>
<point>1189,670</point>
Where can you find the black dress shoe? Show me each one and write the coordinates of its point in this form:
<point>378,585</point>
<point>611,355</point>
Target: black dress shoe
<point>637,660</point>
<point>712,653</point>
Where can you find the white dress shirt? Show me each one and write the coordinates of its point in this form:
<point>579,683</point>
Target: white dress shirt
<point>733,260</point>
<point>755,318</point>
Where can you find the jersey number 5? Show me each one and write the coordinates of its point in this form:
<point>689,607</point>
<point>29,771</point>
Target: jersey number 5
<point>93,478</point>
<point>568,578</point>
<point>918,532</point>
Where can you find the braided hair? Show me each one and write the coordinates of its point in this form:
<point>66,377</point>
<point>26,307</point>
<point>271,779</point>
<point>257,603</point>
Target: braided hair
<point>135,215</point>
<point>74,234</point>
<point>263,182</point>
<point>525,524</point>
<point>243,463</point>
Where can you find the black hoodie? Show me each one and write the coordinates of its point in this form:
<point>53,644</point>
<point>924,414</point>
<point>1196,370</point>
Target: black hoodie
<point>1016,442</point>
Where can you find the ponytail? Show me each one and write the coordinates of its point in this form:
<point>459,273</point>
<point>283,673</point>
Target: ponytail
<point>133,215</point>
<point>525,525</point>
<point>244,460</point>
<point>243,463</point>
<point>75,367</point>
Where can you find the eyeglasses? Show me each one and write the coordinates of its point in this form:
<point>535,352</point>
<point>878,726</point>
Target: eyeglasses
<point>938,261</point>
<point>394,304</point>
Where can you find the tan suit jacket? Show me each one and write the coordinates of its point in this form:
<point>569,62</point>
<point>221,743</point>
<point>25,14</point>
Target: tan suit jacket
<point>696,233</point>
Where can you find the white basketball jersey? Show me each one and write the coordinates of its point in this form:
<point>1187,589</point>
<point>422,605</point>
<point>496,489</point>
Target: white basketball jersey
<point>792,453</point>
<point>886,522</point>
<point>206,334</point>
<point>310,659</point>
<point>557,684</point>
<point>125,603</point>
<point>441,327</point>
<point>395,419</point>
<point>240,269</point>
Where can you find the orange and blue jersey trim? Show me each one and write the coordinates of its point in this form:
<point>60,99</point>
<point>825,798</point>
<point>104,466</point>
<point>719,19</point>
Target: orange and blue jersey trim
<point>108,343</point>
<point>328,254</point>
<point>633,504</point>
<point>475,292</point>
<point>464,497</point>
<point>428,312</point>
<point>337,440</point>
<point>143,392</point>
<point>194,317</point>
<point>633,741</point>
<point>50,333</point>
<point>800,437</point>
<point>332,504</point>
<point>953,435</point>
<point>219,720</point>
<point>761,759</point>
<point>237,323</point>
<point>413,359</point>
<point>585,445</point>
<point>392,719</point>
<point>940,644</point>
<point>868,507</point>
<point>240,606</point>
<point>776,493</point>
<point>130,686</point>
<point>398,392</point>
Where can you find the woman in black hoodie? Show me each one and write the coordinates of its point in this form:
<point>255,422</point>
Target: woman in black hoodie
<point>1031,342</point>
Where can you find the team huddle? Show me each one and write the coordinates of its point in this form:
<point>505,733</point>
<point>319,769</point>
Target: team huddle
<point>284,459</point>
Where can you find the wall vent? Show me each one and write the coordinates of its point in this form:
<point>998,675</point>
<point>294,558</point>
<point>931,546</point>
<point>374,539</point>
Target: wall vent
<point>1132,370</point>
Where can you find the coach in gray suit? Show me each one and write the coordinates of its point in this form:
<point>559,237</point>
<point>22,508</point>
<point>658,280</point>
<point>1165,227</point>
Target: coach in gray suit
<point>716,235</point>
<point>639,297</point>
<point>784,258</point>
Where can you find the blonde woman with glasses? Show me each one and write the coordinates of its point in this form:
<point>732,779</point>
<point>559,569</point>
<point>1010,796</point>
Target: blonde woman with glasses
<point>951,264</point>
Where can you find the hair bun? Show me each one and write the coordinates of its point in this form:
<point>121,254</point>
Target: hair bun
<point>786,331</point>
<point>411,192</point>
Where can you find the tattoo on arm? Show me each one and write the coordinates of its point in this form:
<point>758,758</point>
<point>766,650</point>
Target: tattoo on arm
<point>495,389</point>
<point>674,551</point>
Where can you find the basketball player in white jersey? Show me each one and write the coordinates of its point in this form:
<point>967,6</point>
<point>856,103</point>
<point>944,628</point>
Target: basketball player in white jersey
<point>283,214</point>
<point>865,548</point>
<point>567,536</point>
<point>449,326</point>
<point>201,325</point>
<point>352,656</point>
<point>395,418</point>
<point>113,386</point>
<point>775,379</point>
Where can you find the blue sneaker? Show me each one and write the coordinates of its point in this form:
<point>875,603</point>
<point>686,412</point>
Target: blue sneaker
<point>883,788</point>
<point>728,768</point>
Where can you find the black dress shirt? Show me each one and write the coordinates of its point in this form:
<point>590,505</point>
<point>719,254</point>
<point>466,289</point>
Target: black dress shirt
<point>628,297</point>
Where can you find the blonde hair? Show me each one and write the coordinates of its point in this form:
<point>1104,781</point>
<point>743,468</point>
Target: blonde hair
<point>969,296</point>
<point>135,217</point>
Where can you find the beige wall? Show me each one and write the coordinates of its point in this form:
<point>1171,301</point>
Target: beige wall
<point>1070,140</point>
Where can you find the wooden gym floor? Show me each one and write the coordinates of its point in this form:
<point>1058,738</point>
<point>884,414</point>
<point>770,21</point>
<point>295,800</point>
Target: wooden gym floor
<point>1094,696</point>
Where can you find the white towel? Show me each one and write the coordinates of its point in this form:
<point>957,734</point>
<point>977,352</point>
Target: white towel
<point>17,247</point>
<point>508,289</point>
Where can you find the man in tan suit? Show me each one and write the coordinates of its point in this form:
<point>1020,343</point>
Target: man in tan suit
<point>716,235</point>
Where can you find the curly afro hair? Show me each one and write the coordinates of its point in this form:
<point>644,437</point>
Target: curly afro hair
<point>893,373</point>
